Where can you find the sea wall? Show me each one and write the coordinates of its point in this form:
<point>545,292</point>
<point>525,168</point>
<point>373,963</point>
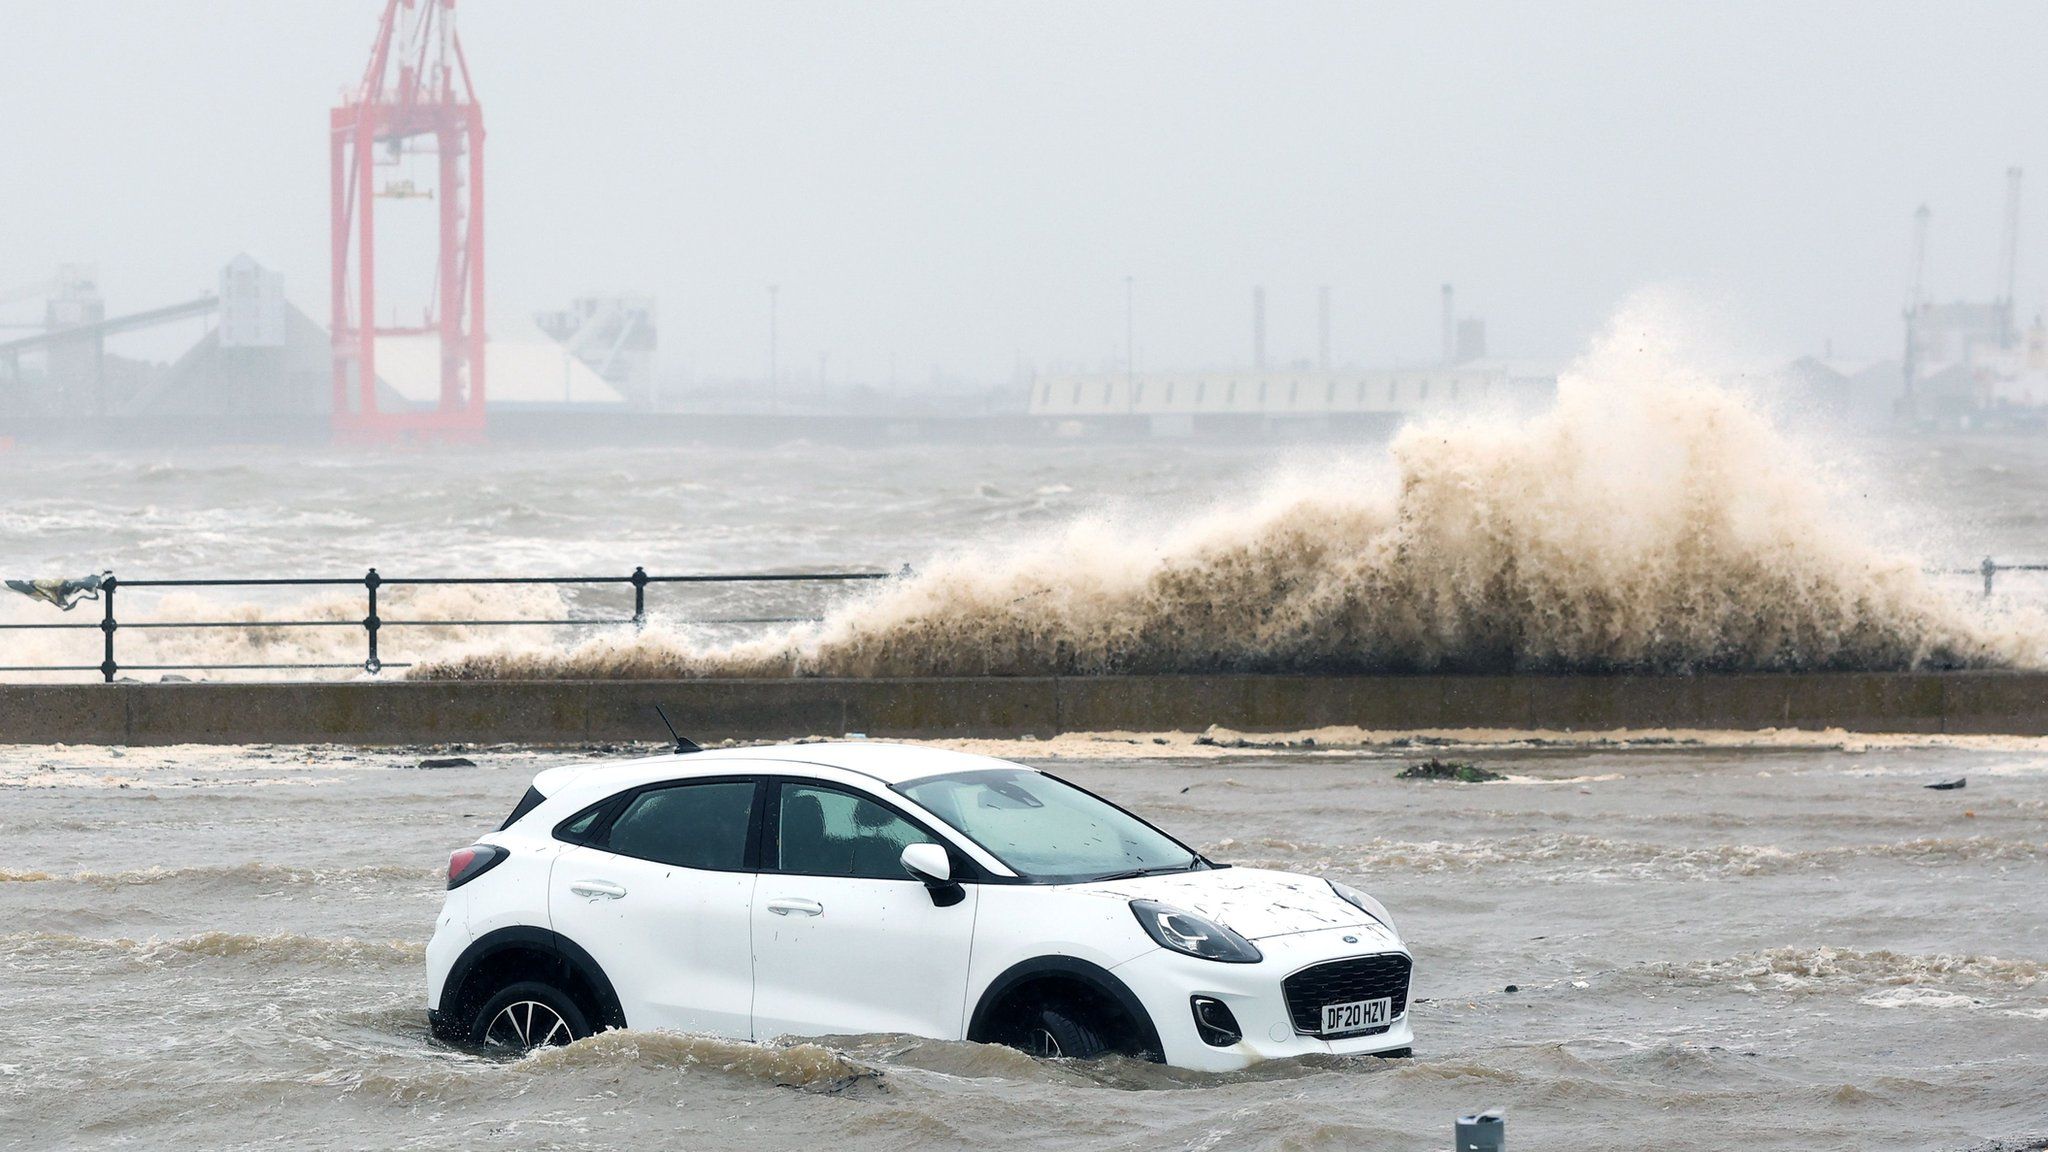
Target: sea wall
<point>575,712</point>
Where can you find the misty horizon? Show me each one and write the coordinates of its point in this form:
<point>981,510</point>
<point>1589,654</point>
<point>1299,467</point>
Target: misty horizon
<point>963,191</point>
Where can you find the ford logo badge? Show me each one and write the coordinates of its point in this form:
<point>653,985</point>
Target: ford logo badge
<point>1351,939</point>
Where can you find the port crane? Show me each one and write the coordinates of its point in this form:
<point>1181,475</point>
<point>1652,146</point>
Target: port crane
<point>417,88</point>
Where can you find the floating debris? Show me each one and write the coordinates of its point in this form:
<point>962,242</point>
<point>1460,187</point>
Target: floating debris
<point>1463,771</point>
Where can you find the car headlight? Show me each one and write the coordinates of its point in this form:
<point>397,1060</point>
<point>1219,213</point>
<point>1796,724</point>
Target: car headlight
<point>1193,935</point>
<point>1365,904</point>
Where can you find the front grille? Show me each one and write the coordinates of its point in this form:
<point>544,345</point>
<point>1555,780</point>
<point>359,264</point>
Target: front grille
<point>1342,981</point>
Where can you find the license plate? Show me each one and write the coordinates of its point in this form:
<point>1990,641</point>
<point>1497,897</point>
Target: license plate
<point>1356,1015</point>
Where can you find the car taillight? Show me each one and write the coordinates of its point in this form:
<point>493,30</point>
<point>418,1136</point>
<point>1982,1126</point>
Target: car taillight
<point>466,864</point>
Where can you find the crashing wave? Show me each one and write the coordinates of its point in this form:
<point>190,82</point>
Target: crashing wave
<point>1653,520</point>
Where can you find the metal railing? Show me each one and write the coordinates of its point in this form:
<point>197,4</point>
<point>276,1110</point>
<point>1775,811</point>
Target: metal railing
<point>372,624</point>
<point>1989,570</point>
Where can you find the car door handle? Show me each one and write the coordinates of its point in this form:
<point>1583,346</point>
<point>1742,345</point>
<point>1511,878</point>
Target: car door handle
<point>597,889</point>
<point>796,907</point>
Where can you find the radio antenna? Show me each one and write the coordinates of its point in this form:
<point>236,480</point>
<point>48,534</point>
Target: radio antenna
<point>684,745</point>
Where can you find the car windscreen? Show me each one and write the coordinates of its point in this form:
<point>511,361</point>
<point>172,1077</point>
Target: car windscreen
<point>1046,829</point>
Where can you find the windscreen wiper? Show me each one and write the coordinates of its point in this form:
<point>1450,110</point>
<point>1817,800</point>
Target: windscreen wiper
<point>1134,873</point>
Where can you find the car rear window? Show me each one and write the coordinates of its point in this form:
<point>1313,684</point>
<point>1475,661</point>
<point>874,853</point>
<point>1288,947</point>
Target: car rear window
<point>688,825</point>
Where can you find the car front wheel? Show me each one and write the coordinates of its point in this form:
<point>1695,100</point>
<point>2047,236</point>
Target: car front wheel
<point>528,1015</point>
<point>1056,1034</point>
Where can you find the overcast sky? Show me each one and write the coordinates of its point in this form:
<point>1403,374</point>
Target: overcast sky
<point>967,184</point>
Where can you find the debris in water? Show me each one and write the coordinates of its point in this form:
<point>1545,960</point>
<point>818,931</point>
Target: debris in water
<point>2022,1144</point>
<point>1949,785</point>
<point>1434,768</point>
<point>866,1079</point>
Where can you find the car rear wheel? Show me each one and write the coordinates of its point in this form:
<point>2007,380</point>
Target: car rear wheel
<point>528,1015</point>
<point>1054,1034</point>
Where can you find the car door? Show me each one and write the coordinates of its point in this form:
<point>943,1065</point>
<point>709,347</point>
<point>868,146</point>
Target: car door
<point>655,885</point>
<point>845,941</point>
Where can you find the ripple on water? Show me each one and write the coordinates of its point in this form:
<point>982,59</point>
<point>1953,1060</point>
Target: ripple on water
<point>57,948</point>
<point>1820,969</point>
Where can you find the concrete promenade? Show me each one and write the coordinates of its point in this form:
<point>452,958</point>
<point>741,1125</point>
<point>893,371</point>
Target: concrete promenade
<point>575,712</point>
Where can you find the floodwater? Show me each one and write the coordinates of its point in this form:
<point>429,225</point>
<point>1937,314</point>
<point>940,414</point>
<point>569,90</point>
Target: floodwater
<point>1769,942</point>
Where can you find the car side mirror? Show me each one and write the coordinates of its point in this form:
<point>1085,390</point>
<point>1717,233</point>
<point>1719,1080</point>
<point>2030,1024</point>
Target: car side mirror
<point>930,863</point>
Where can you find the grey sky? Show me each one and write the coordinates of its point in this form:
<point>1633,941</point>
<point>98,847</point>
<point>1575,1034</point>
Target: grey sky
<point>965,184</point>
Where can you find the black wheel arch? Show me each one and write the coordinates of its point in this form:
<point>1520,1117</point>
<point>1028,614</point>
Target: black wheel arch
<point>983,1024</point>
<point>563,960</point>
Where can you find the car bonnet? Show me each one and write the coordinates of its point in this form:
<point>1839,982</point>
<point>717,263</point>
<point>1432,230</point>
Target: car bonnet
<point>1253,902</point>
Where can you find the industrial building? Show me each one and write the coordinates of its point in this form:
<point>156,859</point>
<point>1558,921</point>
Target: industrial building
<point>1187,403</point>
<point>1302,398</point>
<point>1973,363</point>
<point>264,368</point>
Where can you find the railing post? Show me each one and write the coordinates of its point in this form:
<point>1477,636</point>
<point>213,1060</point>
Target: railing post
<point>371,623</point>
<point>107,626</point>
<point>639,597</point>
<point>1990,569</point>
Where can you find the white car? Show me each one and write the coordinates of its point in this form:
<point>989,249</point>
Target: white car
<point>855,888</point>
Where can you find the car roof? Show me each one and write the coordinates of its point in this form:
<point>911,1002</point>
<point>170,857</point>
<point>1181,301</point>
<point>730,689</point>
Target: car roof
<point>569,787</point>
<point>884,762</point>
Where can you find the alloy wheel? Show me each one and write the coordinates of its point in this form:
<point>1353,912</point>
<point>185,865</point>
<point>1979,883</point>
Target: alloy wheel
<point>525,1024</point>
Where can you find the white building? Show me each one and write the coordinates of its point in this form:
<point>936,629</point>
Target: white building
<point>1186,401</point>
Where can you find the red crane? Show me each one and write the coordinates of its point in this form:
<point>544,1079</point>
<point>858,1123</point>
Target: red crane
<point>430,95</point>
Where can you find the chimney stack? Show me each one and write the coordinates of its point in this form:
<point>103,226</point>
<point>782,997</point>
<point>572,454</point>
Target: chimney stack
<point>1259,328</point>
<point>1323,328</point>
<point>1450,328</point>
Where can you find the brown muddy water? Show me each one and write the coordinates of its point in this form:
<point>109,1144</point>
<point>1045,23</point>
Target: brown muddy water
<point>1785,946</point>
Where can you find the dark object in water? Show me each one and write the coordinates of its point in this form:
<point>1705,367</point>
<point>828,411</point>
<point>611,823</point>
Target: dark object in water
<point>1950,785</point>
<point>449,762</point>
<point>1512,988</point>
<point>1485,1132</point>
<point>1463,771</point>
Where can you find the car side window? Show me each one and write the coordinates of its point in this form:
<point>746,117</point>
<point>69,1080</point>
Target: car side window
<point>688,825</point>
<point>576,831</point>
<point>826,832</point>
